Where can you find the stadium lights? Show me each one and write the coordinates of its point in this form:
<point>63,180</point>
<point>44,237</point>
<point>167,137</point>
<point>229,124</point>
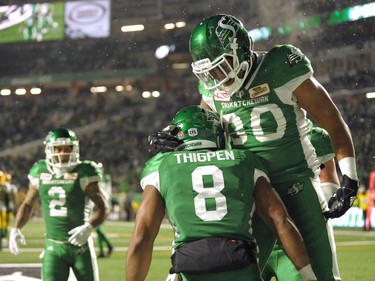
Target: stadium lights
<point>98,89</point>
<point>5,92</point>
<point>180,24</point>
<point>132,28</point>
<point>35,91</point>
<point>146,94</point>
<point>164,50</point>
<point>129,87</point>
<point>155,94</point>
<point>171,25</point>
<point>370,95</point>
<point>181,65</point>
<point>20,91</point>
<point>119,88</point>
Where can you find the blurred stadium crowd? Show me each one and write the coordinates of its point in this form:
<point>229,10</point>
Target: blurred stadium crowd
<point>113,129</point>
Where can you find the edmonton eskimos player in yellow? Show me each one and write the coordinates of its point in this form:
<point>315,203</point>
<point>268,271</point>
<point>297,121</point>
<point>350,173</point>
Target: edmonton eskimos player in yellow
<point>8,206</point>
<point>263,98</point>
<point>65,185</point>
<point>210,196</point>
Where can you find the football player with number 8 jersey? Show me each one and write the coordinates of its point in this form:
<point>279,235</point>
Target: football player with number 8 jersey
<point>210,195</point>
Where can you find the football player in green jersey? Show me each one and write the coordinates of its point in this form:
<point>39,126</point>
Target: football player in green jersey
<point>106,188</point>
<point>263,98</point>
<point>210,196</point>
<point>278,264</point>
<point>65,185</point>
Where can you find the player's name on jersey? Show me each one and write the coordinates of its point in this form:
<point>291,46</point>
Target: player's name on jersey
<point>244,102</point>
<point>192,157</point>
<point>56,181</point>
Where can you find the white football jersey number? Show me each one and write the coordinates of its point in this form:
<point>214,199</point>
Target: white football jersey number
<point>255,121</point>
<point>209,192</point>
<point>56,206</point>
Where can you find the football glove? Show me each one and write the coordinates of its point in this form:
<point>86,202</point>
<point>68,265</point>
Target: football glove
<point>14,236</point>
<point>163,141</point>
<point>174,277</point>
<point>343,198</point>
<point>80,234</point>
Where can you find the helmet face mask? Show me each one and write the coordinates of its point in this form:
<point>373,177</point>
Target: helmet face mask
<point>198,128</point>
<point>220,43</point>
<point>62,150</point>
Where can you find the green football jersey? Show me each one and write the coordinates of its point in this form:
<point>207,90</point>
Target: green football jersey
<point>63,200</point>
<point>321,141</point>
<point>207,193</point>
<point>264,115</point>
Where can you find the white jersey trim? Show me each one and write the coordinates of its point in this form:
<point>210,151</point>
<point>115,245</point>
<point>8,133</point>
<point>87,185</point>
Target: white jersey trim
<point>151,179</point>
<point>86,181</point>
<point>259,173</point>
<point>34,181</point>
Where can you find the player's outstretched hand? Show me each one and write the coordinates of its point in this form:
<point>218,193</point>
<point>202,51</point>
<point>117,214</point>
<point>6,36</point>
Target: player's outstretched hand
<point>80,234</point>
<point>343,198</point>
<point>15,236</point>
<point>163,140</point>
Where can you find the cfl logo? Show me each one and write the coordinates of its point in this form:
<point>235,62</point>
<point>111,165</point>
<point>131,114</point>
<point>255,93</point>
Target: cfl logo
<point>192,132</point>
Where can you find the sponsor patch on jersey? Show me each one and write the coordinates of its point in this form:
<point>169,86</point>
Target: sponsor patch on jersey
<point>45,176</point>
<point>192,132</point>
<point>220,95</point>
<point>295,56</point>
<point>70,176</point>
<point>260,90</point>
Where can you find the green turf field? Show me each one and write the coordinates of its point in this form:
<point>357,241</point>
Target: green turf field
<point>355,248</point>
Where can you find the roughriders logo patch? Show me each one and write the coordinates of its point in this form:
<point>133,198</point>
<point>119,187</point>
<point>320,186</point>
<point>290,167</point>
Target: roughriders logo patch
<point>295,56</point>
<point>220,95</point>
<point>226,30</point>
<point>258,91</point>
<point>192,132</point>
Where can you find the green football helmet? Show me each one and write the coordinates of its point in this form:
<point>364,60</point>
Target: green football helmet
<point>198,128</point>
<point>222,53</point>
<point>61,137</point>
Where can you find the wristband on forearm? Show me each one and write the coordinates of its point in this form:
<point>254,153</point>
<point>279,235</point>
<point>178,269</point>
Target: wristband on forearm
<point>307,273</point>
<point>348,167</point>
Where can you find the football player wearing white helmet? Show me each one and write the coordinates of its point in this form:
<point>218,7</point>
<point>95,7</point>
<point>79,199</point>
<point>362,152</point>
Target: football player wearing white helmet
<point>210,194</point>
<point>65,186</point>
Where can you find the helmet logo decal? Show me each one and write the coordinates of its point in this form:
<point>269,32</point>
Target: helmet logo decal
<point>180,135</point>
<point>192,132</point>
<point>226,30</point>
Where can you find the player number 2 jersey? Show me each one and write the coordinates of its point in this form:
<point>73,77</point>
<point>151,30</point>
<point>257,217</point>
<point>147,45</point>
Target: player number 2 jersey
<point>63,200</point>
